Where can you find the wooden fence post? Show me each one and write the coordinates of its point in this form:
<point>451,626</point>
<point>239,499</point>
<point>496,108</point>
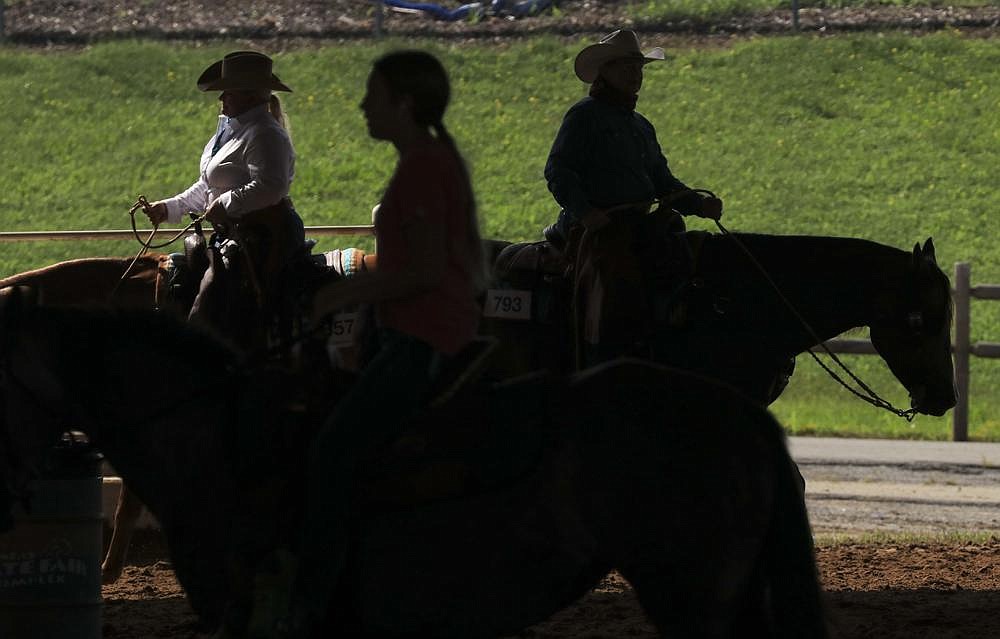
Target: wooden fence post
<point>3,25</point>
<point>962,293</point>
<point>795,15</point>
<point>379,16</point>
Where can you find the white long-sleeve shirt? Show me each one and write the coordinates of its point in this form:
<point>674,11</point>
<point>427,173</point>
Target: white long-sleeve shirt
<point>252,169</point>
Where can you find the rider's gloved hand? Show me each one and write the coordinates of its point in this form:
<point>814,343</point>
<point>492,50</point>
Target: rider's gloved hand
<point>218,218</point>
<point>711,208</point>
<point>216,213</point>
<point>156,212</point>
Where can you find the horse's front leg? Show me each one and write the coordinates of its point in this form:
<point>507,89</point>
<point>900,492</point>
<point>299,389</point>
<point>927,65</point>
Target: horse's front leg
<point>126,517</point>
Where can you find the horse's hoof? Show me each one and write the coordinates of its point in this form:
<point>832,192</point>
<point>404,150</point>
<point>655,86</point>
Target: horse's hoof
<point>110,575</point>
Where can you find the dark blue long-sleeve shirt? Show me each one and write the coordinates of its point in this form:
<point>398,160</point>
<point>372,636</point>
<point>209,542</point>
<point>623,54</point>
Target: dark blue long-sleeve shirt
<point>605,155</point>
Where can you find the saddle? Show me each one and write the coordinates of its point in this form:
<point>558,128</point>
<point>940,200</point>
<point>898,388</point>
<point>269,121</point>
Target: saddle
<point>630,280</point>
<point>612,288</point>
<point>528,278</point>
<point>289,290</point>
<point>484,437</point>
<point>478,438</point>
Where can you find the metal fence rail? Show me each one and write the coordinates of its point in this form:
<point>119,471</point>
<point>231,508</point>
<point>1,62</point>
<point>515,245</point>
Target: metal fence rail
<point>127,234</point>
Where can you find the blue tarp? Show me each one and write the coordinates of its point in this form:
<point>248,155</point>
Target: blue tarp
<point>518,9</point>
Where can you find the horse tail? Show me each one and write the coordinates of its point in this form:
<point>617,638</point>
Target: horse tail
<point>795,602</point>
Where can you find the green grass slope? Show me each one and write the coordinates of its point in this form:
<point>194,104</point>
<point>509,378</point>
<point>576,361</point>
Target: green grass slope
<point>886,137</point>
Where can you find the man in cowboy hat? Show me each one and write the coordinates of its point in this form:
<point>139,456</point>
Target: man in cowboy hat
<point>606,165</point>
<point>606,155</point>
<point>245,172</point>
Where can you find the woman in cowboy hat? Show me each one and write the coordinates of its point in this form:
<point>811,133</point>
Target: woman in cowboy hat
<point>245,172</point>
<point>606,154</point>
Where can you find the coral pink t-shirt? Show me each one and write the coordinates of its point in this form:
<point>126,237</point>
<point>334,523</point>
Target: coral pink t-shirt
<point>428,188</point>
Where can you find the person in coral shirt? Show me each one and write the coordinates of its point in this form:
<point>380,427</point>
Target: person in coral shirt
<point>430,271</point>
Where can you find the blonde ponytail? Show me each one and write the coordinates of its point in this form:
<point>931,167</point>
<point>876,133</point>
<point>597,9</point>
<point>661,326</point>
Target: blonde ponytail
<point>274,107</point>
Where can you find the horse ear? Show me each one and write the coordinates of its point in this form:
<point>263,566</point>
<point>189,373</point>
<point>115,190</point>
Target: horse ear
<point>14,298</point>
<point>9,297</point>
<point>917,254</point>
<point>929,250</point>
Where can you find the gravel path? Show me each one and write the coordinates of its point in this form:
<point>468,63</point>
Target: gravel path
<point>43,22</point>
<point>891,486</point>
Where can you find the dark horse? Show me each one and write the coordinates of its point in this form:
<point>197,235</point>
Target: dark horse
<point>96,282</point>
<point>690,494</point>
<point>734,326</point>
<point>150,283</point>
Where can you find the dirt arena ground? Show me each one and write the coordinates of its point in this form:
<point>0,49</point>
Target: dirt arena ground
<point>884,591</point>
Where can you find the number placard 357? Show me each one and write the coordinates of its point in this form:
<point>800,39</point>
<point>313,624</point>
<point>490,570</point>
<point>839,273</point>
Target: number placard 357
<point>345,328</point>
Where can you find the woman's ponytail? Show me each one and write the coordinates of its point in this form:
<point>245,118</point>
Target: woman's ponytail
<point>274,107</point>
<point>474,245</point>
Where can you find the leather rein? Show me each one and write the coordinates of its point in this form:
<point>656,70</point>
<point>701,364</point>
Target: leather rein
<point>866,393</point>
<point>143,203</point>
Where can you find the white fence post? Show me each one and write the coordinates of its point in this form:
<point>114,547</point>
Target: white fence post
<point>962,295</point>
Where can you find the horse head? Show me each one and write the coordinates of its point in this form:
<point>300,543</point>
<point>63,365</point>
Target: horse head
<point>914,335</point>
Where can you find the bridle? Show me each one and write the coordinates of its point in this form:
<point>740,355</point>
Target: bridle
<point>914,319</point>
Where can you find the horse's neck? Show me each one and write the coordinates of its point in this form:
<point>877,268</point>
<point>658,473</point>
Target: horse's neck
<point>149,419</point>
<point>833,284</point>
<point>93,281</point>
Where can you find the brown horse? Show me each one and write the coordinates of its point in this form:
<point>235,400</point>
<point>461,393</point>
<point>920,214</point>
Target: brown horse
<point>98,281</point>
<point>526,494</point>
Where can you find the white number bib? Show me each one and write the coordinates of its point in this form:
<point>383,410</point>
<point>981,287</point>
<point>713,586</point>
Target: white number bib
<point>507,304</point>
<point>345,328</point>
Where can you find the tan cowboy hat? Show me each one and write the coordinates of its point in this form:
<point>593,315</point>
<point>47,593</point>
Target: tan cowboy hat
<point>241,71</point>
<point>623,43</point>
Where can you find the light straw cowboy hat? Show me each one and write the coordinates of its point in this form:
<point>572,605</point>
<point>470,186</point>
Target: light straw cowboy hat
<point>241,71</point>
<point>623,43</point>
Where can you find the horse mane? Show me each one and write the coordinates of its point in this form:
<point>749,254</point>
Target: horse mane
<point>939,277</point>
<point>796,247</point>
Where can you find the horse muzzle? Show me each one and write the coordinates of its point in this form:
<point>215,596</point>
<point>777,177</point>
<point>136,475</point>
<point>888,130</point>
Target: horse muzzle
<point>935,407</point>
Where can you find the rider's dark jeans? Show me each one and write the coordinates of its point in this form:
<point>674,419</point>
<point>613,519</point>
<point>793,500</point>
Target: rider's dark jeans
<point>376,409</point>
